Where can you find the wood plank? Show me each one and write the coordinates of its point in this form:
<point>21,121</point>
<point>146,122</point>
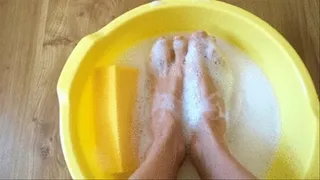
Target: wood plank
<point>20,151</point>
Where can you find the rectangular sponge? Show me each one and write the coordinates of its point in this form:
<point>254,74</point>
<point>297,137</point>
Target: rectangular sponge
<point>115,92</point>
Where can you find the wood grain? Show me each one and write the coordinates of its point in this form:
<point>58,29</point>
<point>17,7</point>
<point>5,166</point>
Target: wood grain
<point>36,38</point>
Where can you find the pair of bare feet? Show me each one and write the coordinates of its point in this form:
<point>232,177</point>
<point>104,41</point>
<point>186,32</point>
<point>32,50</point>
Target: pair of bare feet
<point>172,62</point>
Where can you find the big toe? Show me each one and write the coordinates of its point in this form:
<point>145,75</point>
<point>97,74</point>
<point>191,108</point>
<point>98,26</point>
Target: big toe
<point>204,46</point>
<point>199,37</point>
<point>161,56</point>
<point>197,45</point>
<point>199,34</point>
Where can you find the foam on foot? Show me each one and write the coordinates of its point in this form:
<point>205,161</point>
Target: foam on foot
<point>197,97</point>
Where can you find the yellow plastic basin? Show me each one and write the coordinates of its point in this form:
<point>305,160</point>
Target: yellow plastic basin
<point>298,152</point>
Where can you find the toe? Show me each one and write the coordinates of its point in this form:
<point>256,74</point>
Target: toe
<point>180,48</point>
<point>161,55</point>
<point>196,47</point>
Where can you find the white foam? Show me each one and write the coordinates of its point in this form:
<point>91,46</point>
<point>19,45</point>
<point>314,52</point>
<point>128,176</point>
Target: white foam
<point>163,101</point>
<point>194,104</point>
<point>253,127</point>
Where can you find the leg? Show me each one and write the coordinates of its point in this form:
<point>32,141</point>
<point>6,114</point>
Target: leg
<point>167,152</point>
<point>208,149</point>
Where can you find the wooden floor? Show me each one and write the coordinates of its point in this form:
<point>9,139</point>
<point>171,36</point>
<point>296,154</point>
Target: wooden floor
<point>37,36</point>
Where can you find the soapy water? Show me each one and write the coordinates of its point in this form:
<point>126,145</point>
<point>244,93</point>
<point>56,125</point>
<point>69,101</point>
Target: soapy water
<point>252,112</point>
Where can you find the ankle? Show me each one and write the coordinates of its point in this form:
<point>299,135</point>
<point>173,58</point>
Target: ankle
<point>212,127</point>
<point>206,147</point>
<point>164,151</point>
<point>208,137</point>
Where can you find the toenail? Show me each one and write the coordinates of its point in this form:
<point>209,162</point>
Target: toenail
<point>212,39</point>
<point>178,38</point>
<point>162,39</point>
<point>201,33</point>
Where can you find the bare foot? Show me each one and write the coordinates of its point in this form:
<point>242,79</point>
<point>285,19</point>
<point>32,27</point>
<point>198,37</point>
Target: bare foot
<point>166,65</point>
<point>167,58</point>
<point>211,126</point>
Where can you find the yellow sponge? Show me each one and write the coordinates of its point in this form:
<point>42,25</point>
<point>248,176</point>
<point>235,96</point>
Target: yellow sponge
<point>115,91</point>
